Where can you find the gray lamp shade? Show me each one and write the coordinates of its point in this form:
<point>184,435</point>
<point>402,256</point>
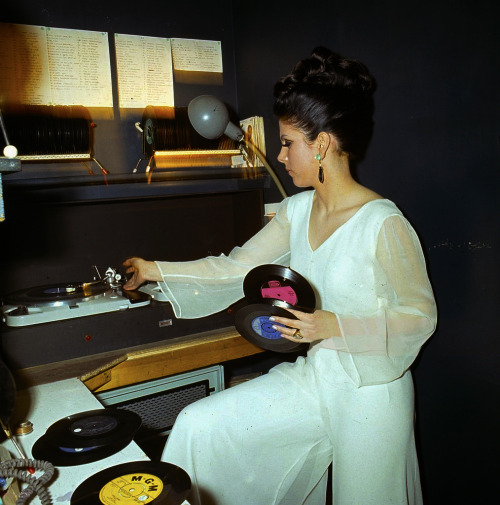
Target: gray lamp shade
<point>210,118</point>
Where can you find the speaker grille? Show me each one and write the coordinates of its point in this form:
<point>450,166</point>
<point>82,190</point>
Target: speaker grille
<point>158,402</point>
<point>159,411</point>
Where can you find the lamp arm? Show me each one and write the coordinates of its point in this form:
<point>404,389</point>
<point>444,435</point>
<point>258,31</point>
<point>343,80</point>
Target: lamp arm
<point>272,173</point>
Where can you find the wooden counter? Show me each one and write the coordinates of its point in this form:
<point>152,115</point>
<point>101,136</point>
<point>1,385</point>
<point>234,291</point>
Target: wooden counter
<point>133,365</point>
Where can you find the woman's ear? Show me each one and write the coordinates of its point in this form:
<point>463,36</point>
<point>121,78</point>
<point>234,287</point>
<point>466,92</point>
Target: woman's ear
<point>324,141</point>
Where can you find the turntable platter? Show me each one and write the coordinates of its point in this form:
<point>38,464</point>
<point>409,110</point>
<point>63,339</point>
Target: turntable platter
<point>57,294</point>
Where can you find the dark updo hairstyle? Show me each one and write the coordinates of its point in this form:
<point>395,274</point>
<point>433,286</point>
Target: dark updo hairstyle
<point>329,93</point>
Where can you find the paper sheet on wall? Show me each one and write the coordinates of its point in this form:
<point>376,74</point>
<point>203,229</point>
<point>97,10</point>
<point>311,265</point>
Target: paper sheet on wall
<point>197,55</point>
<point>80,70</point>
<point>54,66</point>
<point>24,61</point>
<point>144,69</point>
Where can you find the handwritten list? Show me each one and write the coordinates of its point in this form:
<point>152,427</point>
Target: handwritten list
<point>58,66</point>
<point>79,67</point>
<point>24,61</point>
<point>144,70</point>
<point>193,55</point>
<point>54,66</point>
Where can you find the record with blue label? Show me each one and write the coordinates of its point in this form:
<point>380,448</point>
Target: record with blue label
<point>87,436</point>
<point>269,290</point>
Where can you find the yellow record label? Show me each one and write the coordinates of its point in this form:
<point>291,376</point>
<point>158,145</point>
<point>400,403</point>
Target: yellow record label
<point>131,489</point>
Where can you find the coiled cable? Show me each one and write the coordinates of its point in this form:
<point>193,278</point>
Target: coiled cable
<point>17,469</point>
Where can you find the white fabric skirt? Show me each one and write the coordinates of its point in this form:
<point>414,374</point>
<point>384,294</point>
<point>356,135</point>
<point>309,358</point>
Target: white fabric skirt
<point>270,440</point>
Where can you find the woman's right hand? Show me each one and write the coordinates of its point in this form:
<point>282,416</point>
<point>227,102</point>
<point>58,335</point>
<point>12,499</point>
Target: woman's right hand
<point>141,271</point>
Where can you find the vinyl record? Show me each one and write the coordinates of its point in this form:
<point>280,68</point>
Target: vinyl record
<point>252,322</point>
<point>275,282</point>
<point>94,427</point>
<point>87,436</point>
<point>135,296</point>
<point>269,290</point>
<point>57,293</point>
<point>46,449</point>
<point>157,483</point>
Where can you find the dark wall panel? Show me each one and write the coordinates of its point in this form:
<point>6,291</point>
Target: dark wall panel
<point>435,153</point>
<point>60,220</point>
<point>58,243</point>
<point>118,144</point>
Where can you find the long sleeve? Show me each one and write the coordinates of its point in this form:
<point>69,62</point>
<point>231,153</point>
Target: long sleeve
<point>206,286</point>
<point>380,346</point>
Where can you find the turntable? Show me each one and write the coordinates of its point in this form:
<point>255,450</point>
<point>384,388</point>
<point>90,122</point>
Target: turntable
<point>43,304</point>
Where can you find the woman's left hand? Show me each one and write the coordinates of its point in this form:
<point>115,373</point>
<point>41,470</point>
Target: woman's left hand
<point>319,325</point>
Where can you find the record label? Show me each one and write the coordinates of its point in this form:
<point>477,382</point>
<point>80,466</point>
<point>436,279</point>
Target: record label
<point>268,283</point>
<point>253,323</point>
<point>269,291</point>
<point>74,450</point>
<point>93,426</point>
<point>264,327</point>
<point>277,291</point>
<point>135,483</point>
<point>131,489</point>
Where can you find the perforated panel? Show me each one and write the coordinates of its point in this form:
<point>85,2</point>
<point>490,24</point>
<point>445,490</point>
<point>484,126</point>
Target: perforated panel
<point>159,411</point>
<point>159,402</point>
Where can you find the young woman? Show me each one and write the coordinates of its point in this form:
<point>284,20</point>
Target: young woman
<point>350,400</point>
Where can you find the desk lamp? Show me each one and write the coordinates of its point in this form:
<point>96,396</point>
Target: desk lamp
<point>210,118</point>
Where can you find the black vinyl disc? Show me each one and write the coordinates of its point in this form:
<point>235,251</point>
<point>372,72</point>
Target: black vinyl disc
<point>48,449</point>
<point>277,282</point>
<point>65,292</point>
<point>157,483</point>
<point>269,290</point>
<point>87,436</point>
<point>94,428</point>
<point>252,322</point>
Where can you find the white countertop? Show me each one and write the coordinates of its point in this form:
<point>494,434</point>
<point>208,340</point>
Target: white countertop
<point>44,405</point>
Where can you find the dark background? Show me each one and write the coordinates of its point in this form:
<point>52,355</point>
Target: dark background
<point>435,152</point>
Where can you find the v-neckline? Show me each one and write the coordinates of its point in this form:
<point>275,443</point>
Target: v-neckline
<point>336,229</point>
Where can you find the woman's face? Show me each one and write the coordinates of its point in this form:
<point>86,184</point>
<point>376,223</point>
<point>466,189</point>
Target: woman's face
<point>298,156</point>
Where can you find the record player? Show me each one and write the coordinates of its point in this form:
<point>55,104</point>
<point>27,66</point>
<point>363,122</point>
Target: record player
<point>43,304</point>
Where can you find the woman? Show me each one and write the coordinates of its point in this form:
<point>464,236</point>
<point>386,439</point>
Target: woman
<point>350,401</point>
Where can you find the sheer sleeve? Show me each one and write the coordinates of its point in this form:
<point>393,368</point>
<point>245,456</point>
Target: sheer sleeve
<point>380,347</point>
<point>206,286</point>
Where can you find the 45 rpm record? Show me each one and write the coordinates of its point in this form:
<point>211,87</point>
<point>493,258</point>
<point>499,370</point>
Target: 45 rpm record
<point>87,436</point>
<point>269,290</point>
<point>252,322</point>
<point>47,449</point>
<point>137,482</point>
<point>95,427</point>
<point>57,293</point>
<point>275,282</point>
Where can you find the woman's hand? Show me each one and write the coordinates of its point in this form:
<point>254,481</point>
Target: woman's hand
<point>319,325</point>
<point>141,271</point>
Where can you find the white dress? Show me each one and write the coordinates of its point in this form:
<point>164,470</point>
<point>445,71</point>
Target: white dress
<point>350,401</point>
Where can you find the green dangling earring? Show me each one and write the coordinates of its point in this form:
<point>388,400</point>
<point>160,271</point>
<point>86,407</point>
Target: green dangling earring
<point>321,175</point>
